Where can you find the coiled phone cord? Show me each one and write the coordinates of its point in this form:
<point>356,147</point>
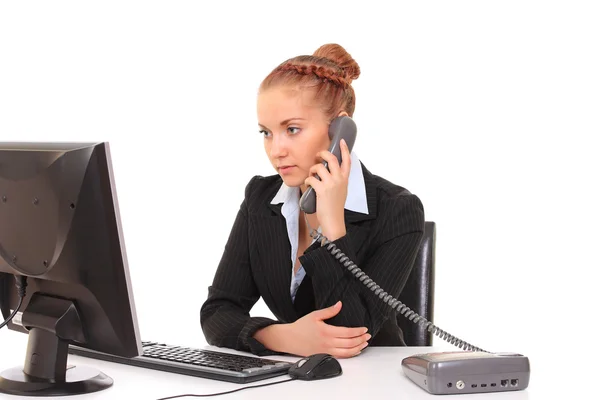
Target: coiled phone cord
<point>385,297</point>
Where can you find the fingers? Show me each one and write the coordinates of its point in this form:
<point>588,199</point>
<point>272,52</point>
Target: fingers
<point>349,343</point>
<point>339,341</point>
<point>332,162</point>
<point>346,342</point>
<point>335,168</point>
<point>314,182</point>
<point>321,171</point>
<point>347,353</point>
<point>345,167</point>
<point>344,332</point>
<point>328,312</point>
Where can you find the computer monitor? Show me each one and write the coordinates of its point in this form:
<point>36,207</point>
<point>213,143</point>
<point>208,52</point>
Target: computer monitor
<point>60,228</point>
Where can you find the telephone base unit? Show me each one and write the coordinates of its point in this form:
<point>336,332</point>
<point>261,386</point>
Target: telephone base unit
<point>462,372</point>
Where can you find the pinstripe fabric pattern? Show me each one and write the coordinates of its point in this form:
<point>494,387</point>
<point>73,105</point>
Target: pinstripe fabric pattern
<point>256,262</point>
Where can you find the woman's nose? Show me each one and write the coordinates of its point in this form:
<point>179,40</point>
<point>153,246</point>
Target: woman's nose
<point>278,146</point>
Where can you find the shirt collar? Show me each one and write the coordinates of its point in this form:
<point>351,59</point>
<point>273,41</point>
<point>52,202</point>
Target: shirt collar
<point>356,200</point>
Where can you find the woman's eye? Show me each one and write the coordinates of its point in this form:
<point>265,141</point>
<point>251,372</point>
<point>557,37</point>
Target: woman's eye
<point>293,130</point>
<point>265,133</point>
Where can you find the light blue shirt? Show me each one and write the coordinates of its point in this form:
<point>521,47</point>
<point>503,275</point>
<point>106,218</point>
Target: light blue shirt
<point>356,200</point>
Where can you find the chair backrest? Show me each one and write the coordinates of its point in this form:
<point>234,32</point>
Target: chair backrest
<point>418,293</point>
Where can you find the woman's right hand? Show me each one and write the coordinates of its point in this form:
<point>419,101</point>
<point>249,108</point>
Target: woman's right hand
<point>311,335</point>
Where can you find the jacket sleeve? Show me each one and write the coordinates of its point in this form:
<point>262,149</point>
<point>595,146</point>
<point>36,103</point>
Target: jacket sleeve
<point>388,262</point>
<point>225,315</point>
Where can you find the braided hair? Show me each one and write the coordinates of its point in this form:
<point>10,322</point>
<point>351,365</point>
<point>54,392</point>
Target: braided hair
<point>329,72</point>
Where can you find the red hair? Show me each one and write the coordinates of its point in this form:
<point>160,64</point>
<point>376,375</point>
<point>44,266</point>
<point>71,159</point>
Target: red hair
<point>329,71</point>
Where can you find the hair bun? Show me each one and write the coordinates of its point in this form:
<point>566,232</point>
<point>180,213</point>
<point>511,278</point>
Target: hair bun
<point>338,55</point>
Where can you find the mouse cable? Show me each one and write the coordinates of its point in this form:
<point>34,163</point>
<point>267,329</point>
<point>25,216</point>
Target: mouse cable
<point>21,283</point>
<point>231,391</point>
<point>383,295</point>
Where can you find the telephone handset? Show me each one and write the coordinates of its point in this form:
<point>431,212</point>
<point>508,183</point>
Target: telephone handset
<point>340,128</point>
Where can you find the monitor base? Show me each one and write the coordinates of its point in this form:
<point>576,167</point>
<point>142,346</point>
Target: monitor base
<point>51,323</point>
<point>79,380</point>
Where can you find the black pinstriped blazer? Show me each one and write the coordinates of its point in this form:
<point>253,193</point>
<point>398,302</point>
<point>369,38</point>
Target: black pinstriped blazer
<point>257,262</point>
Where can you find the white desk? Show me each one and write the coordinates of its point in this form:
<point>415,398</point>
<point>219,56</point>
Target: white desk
<point>376,372</point>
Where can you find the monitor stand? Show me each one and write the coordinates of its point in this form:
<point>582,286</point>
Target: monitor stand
<point>51,322</point>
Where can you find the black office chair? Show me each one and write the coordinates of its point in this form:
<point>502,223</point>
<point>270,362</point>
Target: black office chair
<point>418,293</point>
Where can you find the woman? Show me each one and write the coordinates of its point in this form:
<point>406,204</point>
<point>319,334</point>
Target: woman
<point>320,307</point>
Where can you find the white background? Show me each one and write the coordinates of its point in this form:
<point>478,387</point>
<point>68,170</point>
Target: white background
<point>488,111</point>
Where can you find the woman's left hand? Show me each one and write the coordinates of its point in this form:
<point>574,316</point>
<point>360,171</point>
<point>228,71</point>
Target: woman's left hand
<point>332,191</point>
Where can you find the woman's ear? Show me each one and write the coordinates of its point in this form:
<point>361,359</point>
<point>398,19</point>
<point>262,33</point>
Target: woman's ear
<point>343,113</point>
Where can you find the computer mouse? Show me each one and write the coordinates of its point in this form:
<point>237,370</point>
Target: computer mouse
<point>316,366</point>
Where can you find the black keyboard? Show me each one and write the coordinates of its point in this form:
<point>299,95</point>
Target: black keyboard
<point>195,362</point>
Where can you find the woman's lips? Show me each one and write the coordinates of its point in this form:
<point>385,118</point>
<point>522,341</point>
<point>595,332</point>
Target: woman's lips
<point>286,169</point>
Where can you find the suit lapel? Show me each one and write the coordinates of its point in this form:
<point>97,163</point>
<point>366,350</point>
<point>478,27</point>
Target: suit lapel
<point>357,229</point>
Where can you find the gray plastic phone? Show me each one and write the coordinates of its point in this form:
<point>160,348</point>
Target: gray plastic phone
<point>468,372</point>
<point>340,128</point>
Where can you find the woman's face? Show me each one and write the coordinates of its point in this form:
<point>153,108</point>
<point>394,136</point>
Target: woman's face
<point>294,130</point>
